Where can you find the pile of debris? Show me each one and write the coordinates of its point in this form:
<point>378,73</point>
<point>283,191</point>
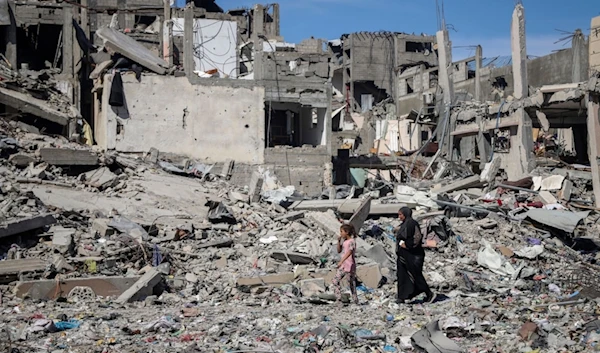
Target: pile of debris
<point>135,254</point>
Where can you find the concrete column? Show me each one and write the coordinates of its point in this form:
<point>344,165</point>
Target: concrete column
<point>446,82</point>
<point>167,33</point>
<point>188,40</point>
<point>258,21</point>
<point>67,49</point>
<point>478,65</point>
<point>11,38</point>
<point>595,45</point>
<point>593,125</point>
<point>578,46</point>
<point>520,160</point>
<point>276,20</point>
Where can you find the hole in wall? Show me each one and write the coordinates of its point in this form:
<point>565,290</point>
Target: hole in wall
<point>246,126</point>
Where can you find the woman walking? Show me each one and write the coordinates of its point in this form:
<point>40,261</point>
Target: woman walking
<point>411,257</point>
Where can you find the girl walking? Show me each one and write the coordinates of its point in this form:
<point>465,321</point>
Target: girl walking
<point>347,265</point>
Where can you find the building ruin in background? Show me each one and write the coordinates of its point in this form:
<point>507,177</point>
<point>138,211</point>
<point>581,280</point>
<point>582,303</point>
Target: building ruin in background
<point>217,85</point>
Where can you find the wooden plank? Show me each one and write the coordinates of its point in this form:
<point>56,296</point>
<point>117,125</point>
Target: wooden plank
<point>132,49</point>
<point>65,156</point>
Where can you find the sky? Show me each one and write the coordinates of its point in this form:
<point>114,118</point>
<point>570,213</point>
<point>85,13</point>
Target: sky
<point>470,22</point>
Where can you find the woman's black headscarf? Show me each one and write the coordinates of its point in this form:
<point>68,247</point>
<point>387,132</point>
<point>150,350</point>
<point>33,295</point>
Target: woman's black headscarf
<point>409,225</point>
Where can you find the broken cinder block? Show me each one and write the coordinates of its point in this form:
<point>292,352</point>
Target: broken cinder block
<point>142,288</point>
<point>310,287</point>
<point>62,239</point>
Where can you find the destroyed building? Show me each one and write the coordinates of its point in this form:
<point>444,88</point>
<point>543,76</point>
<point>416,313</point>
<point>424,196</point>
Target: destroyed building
<point>148,186</point>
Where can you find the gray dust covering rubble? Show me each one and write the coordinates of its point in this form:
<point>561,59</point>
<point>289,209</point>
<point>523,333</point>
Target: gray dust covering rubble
<point>137,255</point>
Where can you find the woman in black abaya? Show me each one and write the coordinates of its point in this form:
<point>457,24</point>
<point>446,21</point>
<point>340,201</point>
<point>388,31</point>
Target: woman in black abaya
<point>411,257</point>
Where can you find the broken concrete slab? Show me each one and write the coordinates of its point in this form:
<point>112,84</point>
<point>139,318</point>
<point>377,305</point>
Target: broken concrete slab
<point>10,269</point>
<point>21,160</point>
<point>100,69</point>
<point>293,257</point>
<point>490,171</point>
<point>465,183</point>
<point>378,254</point>
<point>369,275</point>
<point>132,49</point>
<point>553,182</point>
<point>227,169</point>
<point>67,157</point>
<point>567,190</point>
<point>100,178</point>
<point>573,174</point>
<point>101,228</point>
<point>547,198</point>
<point>28,104</point>
<point>62,239</point>
<point>291,216</point>
<point>348,206</point>
<point>361,215</point>
<point>310,287</point>
<point>256,184</point>
<point>53,289</point>
<point>142,288</point>
<point>326,220</point>
<point>26,225</point>
<point>238,197</point>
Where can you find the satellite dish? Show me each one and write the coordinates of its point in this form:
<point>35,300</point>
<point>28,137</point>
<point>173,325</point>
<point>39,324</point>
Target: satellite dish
<point>426,52</point>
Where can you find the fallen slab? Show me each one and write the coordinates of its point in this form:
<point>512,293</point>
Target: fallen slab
<point>291,216</point>
<point>101,178</point>
<point>66,156</point>
<point>28,104</point>
<point>326,220</point>
<point>465,183</point>
<point>53,289</point>
<point>142,288</point>
<point>10,269</point>
<point>132,49</point>
<point>362,213</point>
<point>293,257</point>
<point>349,206</point>
<point>280,278</point>
<point>26,225</point>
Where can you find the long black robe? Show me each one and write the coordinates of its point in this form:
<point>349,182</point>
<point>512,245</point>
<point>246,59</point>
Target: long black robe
<point>411,281</point>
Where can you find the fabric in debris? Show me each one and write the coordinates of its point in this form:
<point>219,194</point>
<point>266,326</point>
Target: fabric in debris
<point>489,258</point>
<point>432,340</point>
<point>279,195</point>
<point>8,143</point>
<point>84,43</point>
<point>117,92</point>
<point>219,213</point>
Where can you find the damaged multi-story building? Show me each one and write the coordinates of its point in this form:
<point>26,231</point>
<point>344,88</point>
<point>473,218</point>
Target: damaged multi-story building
<point>198,81</point>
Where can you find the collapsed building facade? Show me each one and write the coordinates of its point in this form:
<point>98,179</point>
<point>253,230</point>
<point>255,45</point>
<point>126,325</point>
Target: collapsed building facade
<point>241,93</point>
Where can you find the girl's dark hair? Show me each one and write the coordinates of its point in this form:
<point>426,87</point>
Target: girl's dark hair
<point>349,228</point>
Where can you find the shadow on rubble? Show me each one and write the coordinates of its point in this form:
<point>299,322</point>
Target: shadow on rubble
<point>438,298</point>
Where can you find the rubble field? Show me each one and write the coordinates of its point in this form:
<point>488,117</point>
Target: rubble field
<point>105,252</point>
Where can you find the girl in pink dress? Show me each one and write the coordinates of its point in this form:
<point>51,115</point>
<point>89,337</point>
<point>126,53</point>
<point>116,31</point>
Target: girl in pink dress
<point>347,265</point>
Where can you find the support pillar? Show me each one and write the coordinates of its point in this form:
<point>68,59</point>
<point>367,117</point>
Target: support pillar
<point>447,84</point>
<point>258,24</point>
<point>167,33</point>
<point>188,40</point>
<point>593,125</point>
<point>67,49</point>
<point>482,145</point>
<point>520,161</point>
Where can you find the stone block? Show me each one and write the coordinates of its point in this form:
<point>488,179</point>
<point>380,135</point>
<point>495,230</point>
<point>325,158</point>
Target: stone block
<point>369,275</point>
<point>100,227</point>
<point>142,288</point>
<point>21,160</point>
<point>256,187</point>
<point>291,216</point>
<point>326,220</point>
<point>65,156</point>
<point>101,178</point>
<point>62,239</point>
<point>378,254</point>
<point>547,198</point>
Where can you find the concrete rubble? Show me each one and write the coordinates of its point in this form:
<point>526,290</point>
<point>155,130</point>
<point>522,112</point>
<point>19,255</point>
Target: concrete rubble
<point>131,257</point>
<point>146,235</point>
